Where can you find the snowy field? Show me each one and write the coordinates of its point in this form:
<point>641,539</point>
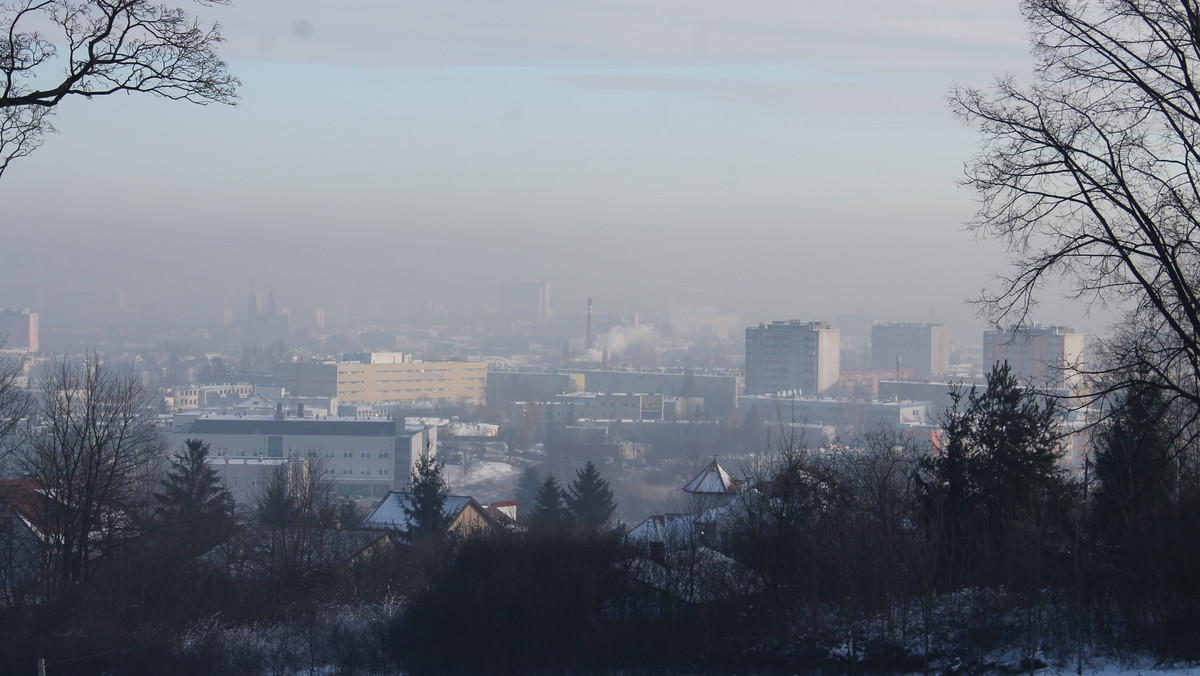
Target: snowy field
<point>488,481</point>
<point>1112,669</point>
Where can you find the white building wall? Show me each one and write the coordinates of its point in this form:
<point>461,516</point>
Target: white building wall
<point>355,465</point>
<point>1045,356</point>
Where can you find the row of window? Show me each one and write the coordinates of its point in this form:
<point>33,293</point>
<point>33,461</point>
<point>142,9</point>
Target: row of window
<point>365,455</point>
<point>256,482</point>
<point>349,471</point>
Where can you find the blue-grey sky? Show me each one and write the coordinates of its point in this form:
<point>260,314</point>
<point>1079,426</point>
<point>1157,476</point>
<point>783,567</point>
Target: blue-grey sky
<point>773,159</point>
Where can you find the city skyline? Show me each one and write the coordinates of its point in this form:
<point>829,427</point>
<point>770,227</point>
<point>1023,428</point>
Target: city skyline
<point>773,162</point>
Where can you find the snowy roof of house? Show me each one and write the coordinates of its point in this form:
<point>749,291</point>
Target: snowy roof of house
<point>673,529</point>
<point>499,515</point>
<point>713,479</point>
<point>389,513</point>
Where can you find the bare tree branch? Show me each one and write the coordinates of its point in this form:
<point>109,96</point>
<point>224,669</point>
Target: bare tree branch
<point>88,453</point>
<point>103,47</point>
<point>1091,174</point>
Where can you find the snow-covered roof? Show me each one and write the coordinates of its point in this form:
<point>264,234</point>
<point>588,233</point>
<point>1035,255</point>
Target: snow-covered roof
<point>713,479</point>
<point>254,401</point>
<point>675,530</point>
<point>389,513</point>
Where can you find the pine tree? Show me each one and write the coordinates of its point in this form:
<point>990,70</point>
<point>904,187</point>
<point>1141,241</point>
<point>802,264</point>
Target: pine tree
<point>1135,510</point>
<point>996,484</point>
<point>348,516</point>
<point>192,501</point>
<point>526,492</point>
<point>1134,469</point>
<point>590,500</point>
<point>425,508</point>
<point>550,513</point>
<point>1016,446</point>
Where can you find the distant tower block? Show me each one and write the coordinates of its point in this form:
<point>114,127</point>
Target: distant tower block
<point>524,302</point>
<point>19,329</point>
<point>320,318</point>
<point>786,356</point>
<point>924,348</point>
<point>591,339</point>
<point>1046,356</point>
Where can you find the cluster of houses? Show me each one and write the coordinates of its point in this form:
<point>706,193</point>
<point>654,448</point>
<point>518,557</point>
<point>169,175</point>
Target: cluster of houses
<point>673,556</point>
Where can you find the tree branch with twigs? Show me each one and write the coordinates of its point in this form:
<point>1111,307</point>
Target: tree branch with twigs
<point>103,47</point>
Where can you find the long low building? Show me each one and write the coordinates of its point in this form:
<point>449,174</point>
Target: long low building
<point>363,458</point>
<point>387,382</point>
<point>843,414</point>
<point>718,390</point>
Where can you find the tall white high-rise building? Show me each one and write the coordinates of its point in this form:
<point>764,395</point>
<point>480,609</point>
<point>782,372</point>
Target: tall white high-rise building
<point>523,301</point>
<point>792,355</point>
<point>924,348</point>
<point>19,330</point>
<point>1044,356</point>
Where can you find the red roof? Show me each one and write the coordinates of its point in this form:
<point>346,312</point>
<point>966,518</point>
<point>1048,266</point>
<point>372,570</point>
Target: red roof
<point>26,500</point>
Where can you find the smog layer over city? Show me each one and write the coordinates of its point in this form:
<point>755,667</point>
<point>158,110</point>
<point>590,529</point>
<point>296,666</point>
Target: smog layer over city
<point>581,337</point>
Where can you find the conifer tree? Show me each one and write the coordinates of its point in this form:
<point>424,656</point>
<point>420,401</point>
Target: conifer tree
<point>1136,507</point>
<point>550,512</point>
<point>425,508</point>
<point>997,480</point>
<point>192,501</point>
<point>526,492</point>
<point>1135,471</point>
<point>590,500</point>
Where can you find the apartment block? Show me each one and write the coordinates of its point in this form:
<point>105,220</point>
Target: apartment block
<point>792,356</point>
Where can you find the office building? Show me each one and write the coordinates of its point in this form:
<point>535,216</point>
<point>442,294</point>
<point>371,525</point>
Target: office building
<point>1043,356</point>
<point>923,348</point>
<point>792,356</point>
<point>845,415</point>
<point>358,458</point>
<point>718,391</point>
<point>387,381</point>
<point>19,330</point>
<point>527,302</point>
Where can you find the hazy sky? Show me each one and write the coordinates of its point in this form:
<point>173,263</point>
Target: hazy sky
<point>773,159</point>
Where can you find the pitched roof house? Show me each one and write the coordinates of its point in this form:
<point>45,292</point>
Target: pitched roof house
<point>465,514</point>
<point>712,493</point>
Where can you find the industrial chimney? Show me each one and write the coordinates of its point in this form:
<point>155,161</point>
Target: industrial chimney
<point>591,342</point>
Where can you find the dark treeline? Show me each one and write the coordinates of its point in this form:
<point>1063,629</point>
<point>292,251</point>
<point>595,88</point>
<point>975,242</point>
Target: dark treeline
<point>871,556</point>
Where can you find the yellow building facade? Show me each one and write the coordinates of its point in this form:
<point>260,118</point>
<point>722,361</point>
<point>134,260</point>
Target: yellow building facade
<point>458,381</point>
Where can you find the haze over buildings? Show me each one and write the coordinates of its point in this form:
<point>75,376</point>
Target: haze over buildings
<point>358,458</point>
<point>385,378</point>
<point>924,348</point>
<point>455,149</point>
<point>796,356</point>
<point>19,330</point>
<point>1045,356</point>
<point>686,167</point>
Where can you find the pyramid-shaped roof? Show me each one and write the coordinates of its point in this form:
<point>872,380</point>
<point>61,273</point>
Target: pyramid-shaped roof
<point>712,480</point>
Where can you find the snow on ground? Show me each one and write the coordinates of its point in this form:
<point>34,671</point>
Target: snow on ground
<point>1100,668</point>
<point>488,481</point>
